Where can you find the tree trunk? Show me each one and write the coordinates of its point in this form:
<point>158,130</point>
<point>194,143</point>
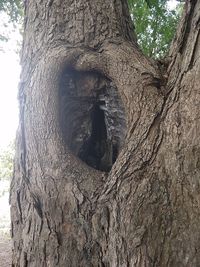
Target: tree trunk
<point>107,169</point>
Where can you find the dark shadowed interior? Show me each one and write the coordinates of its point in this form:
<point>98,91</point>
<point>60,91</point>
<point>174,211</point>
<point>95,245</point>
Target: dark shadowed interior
<point>92,118</point>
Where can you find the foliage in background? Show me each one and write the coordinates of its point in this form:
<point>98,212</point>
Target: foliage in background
<point>11,12</point>
<point>6,162</point>
<point>13,8</point>
<point>155,25</point>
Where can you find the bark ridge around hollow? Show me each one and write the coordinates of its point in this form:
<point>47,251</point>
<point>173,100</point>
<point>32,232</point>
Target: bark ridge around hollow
<point>121,192</point>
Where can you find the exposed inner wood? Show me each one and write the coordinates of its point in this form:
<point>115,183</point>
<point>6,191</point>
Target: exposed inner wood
<point>92,118</point>
<point>146,210</point>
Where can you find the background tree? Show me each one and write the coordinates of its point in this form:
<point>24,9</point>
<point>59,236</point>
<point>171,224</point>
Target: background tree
<point>11,13</point>
<point>107,165</point>
<point>155,25</point>
<point>13,8</point>
<point>6,162</point>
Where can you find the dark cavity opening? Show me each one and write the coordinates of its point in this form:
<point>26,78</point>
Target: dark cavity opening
<point>92,118</point>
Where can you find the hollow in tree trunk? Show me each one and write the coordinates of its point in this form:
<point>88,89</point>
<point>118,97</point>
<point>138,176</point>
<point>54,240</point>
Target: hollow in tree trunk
<point>107,168</point>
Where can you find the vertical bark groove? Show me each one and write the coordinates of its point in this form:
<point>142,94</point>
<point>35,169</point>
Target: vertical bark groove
<point>142,211</point>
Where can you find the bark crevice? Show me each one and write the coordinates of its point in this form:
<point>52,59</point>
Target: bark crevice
<point>144,211</point>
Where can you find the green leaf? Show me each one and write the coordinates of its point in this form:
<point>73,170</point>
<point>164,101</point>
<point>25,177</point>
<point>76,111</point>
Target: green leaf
<point>155,25</point>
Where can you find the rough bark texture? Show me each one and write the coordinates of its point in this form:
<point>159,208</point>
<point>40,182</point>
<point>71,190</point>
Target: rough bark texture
<point>142,207</point>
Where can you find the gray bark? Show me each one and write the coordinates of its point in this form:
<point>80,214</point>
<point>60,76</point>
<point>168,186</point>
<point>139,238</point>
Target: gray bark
<point>137,206</point>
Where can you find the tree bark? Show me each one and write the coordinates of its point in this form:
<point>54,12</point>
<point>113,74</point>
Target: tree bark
<point>108,148</point>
